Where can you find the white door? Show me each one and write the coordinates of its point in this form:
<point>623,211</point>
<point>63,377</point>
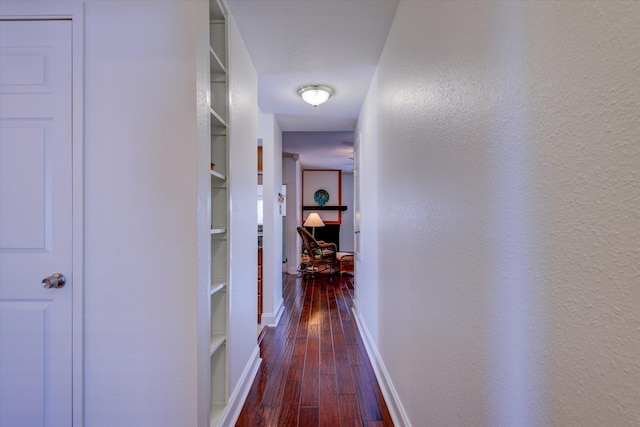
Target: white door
<point>356,219</point>
<point>356,196</point>
<point>35,223</point>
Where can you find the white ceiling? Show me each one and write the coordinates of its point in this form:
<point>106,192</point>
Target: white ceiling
<point>297,42</point>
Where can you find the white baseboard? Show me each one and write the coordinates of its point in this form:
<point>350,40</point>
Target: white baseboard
<point>239,395</point>
<point>398,414</point>
<point>272,319</point>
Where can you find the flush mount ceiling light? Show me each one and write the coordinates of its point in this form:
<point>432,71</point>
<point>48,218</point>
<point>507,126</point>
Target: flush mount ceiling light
<point>315,94</point>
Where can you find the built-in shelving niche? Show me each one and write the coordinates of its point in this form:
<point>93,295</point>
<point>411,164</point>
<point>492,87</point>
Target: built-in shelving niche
<point>219,171</point>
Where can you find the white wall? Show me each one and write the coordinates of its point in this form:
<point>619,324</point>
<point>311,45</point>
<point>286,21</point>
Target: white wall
<point>144,211</point>
<point>292,177</point>
<point>243,122</point>
<point>584,117</point>
<point>141,220</point>
<point>271,135</point>
<point>346,226</point>
<point>367,262</point>
<point>503,136</point>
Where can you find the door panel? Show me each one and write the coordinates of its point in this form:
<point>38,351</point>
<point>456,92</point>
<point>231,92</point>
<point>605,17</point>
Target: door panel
<point>22,160</point>
<point>35,223</point>
<point>22,358</point>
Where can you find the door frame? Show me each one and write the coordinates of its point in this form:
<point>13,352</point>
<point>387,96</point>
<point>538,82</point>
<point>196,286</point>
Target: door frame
<point>73,11</point>
<point>356,218</point>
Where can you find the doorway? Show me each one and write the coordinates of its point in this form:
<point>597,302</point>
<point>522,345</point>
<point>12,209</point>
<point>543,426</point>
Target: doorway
<point>41,222</point>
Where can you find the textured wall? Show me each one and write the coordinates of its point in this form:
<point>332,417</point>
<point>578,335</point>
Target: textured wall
<point>435,100</point>
<point>585,90</point>
<point>504,137</point>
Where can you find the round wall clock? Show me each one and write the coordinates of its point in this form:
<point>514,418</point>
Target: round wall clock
<point>321,197</point>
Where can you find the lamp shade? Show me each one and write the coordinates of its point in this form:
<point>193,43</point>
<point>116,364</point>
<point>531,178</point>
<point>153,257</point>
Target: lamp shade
<point>313,220</point>
<point>315,94</point>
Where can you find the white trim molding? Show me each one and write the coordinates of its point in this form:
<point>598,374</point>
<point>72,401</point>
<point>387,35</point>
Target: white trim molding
<point>272,319</point>
<point>239,395</point>
<point>398,414</point>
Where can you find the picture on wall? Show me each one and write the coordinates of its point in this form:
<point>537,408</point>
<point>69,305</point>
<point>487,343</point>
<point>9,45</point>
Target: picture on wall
<point>322,188</point>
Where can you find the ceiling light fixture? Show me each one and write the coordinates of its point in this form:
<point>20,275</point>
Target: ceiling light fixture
<point>315,94</point>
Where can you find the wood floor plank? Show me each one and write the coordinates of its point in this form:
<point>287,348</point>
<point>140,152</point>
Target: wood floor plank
<point>313,332</point>
<point>355,356</point>
<point>366,395</point>
<point>254,399</point>
<point>349,411</point>
<point>315,369</point>
<point>311,377</point>
<point>343,309</point>
<point>276,382</point>
<point>349,330</point>
<point>315,305</point>
<point>303,322</point>
<point>325,319</point>
<point>308,416</point>
<point>343,368</point>
<point>300,347</point>
<point>329,402</point>
<point>290,403</point>
<point>367,364</point>
<point>267,417</point>
<point>384,410</point>
<point>327,363</point>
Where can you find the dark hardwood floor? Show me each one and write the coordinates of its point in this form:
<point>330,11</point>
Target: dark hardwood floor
<point>315,370</point>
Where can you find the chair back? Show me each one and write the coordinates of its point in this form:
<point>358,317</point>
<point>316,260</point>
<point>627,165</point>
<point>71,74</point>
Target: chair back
<point>309,243</point>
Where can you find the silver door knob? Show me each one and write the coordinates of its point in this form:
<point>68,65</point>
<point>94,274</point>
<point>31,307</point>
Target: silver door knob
<point>56,280</point>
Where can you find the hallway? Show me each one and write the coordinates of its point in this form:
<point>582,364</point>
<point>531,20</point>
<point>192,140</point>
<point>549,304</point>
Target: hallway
<point>315,370</point>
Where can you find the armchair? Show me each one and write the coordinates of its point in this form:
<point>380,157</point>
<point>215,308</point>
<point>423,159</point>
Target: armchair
<point>320,256</point>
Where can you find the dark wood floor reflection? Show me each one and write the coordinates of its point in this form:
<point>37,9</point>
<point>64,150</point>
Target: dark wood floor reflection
<point>315,370</point>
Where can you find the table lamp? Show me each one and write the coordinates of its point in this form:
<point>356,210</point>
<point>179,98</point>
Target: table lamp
<point>313,221</point>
